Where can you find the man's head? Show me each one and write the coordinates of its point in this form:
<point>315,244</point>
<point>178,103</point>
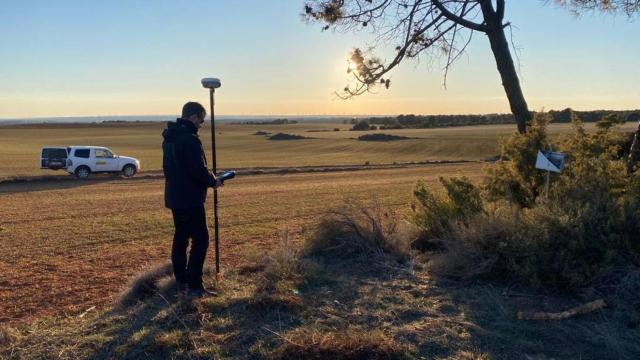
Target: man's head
<point>194,112</point>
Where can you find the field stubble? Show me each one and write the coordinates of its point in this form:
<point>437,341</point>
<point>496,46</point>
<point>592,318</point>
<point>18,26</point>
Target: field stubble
<point>69,249</point>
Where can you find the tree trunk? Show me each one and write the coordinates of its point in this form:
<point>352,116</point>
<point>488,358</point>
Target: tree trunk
<point>506,68</point>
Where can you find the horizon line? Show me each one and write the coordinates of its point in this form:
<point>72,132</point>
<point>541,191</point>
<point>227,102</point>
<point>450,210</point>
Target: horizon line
<point>288,115</point>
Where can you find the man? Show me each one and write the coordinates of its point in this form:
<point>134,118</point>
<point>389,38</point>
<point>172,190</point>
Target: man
<point>186,181</point>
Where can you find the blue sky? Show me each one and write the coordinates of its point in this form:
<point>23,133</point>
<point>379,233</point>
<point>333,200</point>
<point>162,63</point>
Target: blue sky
<point>135,57</point>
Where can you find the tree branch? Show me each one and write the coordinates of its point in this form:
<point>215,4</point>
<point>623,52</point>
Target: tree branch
<point>457,19</point>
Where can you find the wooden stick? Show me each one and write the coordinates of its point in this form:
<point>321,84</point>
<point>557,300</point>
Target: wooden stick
<point>578,310</point>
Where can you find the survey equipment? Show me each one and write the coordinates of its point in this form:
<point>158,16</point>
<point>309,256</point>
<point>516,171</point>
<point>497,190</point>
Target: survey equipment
<point>212,84</point>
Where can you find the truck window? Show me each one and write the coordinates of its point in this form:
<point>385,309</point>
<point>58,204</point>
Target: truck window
<point>82,153</point>
<point>53,153</point>
<point>100,153</point>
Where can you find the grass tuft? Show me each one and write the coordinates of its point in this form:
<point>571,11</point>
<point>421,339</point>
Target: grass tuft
<point>144,285</point>
<point>356,230</point>
<point>312,344</point>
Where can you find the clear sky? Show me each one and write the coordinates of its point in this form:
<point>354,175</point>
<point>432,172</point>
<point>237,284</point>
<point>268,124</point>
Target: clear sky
<point>135,57</point>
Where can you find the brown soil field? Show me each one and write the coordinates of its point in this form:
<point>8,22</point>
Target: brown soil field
<point>68,246</point>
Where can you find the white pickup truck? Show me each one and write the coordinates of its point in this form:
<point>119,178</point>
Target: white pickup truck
<point>81,161</point>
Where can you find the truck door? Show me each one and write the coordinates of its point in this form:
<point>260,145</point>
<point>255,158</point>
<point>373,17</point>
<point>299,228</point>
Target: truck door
<point>105,160</point>
<point>53,158</point>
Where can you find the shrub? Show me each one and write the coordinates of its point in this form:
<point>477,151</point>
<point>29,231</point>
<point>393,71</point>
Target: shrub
<point>590,222</point>
<point>361,126</point>
<point>357,230</point>
<point>381,137</point>
<point>509,242</point>
<point>542,246</point>
<point>514,177</point>
<point>283,136</point>
<point>434,214</point>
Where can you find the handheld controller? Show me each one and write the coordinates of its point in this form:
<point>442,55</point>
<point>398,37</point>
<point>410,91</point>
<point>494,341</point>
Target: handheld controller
<point>227,175</point>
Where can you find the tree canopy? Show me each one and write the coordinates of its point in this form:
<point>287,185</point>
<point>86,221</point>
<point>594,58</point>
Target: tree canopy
<point>435,28</point>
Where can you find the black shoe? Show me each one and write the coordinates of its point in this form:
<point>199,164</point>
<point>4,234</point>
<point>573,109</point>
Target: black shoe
<point>200,292</point>
<point>181,288</point>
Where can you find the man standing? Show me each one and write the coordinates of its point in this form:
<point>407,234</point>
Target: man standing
<point>186,181</point>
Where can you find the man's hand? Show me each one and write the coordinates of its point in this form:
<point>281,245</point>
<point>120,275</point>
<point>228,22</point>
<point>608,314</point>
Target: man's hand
<point>218,184</point>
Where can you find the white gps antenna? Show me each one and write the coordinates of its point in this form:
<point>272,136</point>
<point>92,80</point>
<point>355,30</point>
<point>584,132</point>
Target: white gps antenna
<point>211,83</point>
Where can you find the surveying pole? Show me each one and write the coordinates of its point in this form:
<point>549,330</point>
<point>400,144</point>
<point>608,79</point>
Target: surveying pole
<point>212,84</point>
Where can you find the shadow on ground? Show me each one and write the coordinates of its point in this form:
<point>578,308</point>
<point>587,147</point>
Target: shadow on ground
<point>321,308</point>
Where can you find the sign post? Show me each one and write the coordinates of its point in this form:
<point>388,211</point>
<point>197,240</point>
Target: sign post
<point>551,162</point>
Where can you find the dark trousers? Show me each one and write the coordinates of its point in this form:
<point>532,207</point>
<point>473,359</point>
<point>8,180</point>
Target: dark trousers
<point>189,223</point>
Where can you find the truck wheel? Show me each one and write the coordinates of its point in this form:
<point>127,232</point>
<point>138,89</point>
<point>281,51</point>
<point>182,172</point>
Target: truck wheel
<point>128,170</point>
<point>83,172</point>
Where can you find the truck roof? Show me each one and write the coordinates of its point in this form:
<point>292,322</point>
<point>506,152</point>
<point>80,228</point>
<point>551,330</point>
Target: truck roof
<point>87,147</point>
<point>75,146</point>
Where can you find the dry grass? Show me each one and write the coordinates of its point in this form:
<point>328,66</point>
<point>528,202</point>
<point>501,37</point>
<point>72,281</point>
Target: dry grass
<point>355,345</point>
<point>359,229</point>
<point>328,309</point>
<point>282,264</point>
<point>145,285</point>
<point>475,248</point>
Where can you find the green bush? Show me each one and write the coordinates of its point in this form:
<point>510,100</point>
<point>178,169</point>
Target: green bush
<point>589,223</point>
<point>541,246</point>
<point>514,176</point>
<point>435,214</point>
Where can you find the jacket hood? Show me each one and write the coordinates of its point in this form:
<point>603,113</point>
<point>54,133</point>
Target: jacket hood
<point>177,128</point>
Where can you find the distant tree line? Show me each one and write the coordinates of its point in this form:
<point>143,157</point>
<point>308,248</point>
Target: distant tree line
<point>412,121</point>
<point>268,122</point>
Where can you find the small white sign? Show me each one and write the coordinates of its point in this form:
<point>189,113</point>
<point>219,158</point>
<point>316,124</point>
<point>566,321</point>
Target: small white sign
<point>550,161</point>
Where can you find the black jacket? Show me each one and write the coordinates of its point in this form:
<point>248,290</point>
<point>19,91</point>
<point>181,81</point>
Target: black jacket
<point>185,166</point>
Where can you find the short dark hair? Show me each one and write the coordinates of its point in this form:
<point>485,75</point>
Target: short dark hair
<point>192,108</point>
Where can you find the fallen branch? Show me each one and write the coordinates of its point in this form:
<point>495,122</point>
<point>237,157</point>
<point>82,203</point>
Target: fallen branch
<point>86,312</point>
<point>578,310</point>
